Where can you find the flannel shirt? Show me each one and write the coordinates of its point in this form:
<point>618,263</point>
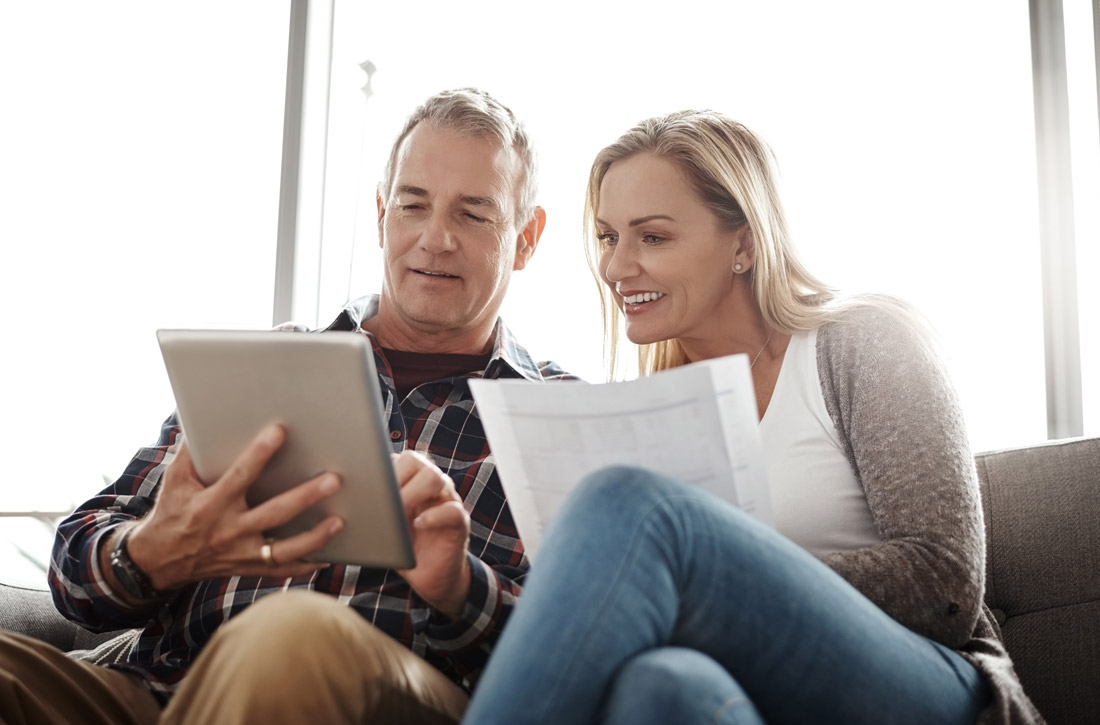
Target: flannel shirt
<point>437,419</point>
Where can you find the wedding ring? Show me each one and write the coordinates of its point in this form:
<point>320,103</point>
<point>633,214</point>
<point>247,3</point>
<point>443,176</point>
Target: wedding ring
<point>265,554</point>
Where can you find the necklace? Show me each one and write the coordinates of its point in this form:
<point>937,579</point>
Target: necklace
<point>762,349</point>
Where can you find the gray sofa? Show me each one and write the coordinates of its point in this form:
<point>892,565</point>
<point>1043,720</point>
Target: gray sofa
<point>1042,511</point>
<point>1042,514</point>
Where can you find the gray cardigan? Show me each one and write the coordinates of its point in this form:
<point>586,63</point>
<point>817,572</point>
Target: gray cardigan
<point>890,398</point>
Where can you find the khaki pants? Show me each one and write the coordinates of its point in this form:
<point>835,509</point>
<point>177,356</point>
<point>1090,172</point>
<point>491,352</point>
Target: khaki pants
<point>293,657</point>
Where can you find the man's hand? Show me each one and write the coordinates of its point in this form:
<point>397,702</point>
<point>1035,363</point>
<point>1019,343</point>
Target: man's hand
<point>440,529</point>
<point>198,531</point>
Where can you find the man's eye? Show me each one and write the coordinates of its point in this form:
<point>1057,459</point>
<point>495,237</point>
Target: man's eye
<point>410,207</point>
<point>474,217</point>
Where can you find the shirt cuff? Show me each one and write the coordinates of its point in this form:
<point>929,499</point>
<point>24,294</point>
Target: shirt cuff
<point>479,617</point>
<point>109,601</point>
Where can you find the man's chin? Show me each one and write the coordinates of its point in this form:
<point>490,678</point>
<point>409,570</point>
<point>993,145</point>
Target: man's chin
<point>432,319</point>
<point>436,316</point>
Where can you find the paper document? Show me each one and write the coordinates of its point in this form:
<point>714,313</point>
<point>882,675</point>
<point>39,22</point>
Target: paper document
<point>697,423</point>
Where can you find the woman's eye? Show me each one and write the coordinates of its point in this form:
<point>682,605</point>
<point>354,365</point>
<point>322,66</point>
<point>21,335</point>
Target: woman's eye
<point>652,239</point>
<point>607,239</point>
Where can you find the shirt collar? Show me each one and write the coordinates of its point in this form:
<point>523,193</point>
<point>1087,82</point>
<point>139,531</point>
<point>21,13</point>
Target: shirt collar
<point>509,358</point>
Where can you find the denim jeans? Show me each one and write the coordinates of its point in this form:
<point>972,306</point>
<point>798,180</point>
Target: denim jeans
<point>652,601</point>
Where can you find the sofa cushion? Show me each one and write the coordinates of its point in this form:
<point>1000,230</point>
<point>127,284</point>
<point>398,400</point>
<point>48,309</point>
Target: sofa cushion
<point>1042,514</point>
<point>31,612</point>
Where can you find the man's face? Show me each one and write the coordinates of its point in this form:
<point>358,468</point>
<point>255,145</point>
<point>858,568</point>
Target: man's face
<point>450,239</point>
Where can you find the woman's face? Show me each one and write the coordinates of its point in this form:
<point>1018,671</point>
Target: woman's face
<point>666,258</point>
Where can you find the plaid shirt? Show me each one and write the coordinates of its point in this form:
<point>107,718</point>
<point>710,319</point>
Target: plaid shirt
<point>437,419</point>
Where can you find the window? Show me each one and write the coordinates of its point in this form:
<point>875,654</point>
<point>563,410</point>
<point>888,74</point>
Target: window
<point>140,182</point>
<point>906,143</point>
<point>1082,52</point>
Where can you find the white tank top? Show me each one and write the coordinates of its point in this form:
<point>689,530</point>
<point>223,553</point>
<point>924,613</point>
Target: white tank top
<point>816,498</point>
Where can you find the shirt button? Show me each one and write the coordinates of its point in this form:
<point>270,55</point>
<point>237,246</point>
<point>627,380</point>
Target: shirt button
<point>395,435</point>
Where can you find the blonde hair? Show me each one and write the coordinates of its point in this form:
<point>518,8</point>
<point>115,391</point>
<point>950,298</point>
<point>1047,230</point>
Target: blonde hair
<point>733,172</point>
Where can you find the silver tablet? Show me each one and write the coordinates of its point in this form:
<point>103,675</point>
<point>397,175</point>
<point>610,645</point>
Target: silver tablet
<point>323,388</point>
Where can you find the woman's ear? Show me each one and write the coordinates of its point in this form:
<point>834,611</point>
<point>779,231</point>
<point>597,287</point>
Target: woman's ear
<point>744,250</point>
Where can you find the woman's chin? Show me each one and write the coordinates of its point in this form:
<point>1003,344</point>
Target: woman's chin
<point>644,337</point>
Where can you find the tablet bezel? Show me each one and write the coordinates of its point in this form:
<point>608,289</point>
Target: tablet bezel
<point>323,388</point>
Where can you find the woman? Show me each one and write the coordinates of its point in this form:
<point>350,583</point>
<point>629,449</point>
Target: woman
<point>651,600</point>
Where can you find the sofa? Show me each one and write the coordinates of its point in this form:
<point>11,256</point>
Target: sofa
<point>1041,506</point>
<point>1042,514</point>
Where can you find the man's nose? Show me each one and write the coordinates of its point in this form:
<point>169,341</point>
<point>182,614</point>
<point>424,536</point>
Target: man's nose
<point>438,235</point>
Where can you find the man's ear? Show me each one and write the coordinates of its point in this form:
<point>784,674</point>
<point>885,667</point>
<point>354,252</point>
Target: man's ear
<point>381,214</point>
<point>528,239</point>
<point>744,250</point>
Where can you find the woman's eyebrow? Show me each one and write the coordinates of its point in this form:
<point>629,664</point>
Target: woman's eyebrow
<point>639,220</point>
<point>651,217</point>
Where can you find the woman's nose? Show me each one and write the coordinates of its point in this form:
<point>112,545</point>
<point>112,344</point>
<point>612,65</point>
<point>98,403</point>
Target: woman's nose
<point>619,263</point>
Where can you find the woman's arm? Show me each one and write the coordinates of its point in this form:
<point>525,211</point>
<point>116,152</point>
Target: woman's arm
<point>890,398</point>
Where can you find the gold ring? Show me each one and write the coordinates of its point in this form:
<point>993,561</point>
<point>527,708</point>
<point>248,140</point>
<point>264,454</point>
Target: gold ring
<point>265,554</point>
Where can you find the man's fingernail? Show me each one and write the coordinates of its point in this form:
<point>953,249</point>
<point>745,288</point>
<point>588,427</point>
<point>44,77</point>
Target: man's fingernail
<point>271,434</point>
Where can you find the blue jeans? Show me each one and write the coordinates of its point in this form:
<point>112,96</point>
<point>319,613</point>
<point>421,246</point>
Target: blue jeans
<point>652,601</point>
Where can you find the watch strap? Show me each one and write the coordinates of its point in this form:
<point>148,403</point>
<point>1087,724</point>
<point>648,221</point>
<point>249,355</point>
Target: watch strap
<point>130,576</point>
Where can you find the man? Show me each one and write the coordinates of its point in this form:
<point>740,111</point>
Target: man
<point>185,559</point>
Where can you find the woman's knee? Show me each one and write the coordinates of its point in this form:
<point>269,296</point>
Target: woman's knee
<point>678,683</point>
<point>619,488</point>
<point>612,500</point>
<point>624,497</point>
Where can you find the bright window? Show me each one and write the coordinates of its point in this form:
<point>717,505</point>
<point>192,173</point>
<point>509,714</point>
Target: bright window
<point>1085,148</point>
<point>906,144</point>
<point>140,183</point>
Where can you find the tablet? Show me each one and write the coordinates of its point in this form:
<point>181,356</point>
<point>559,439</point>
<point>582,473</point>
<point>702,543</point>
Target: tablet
<point>323,388</point>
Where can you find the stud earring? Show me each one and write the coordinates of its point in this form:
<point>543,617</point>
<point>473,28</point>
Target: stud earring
<point>738,267</point>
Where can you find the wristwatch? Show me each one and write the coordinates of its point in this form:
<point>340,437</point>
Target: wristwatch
<point>129,575</point>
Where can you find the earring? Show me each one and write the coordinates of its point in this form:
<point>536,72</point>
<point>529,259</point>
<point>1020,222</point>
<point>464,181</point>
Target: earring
<point>738,267</point>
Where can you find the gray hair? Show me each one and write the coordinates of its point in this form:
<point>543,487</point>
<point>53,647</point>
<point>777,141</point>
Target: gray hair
<point>476,113</point>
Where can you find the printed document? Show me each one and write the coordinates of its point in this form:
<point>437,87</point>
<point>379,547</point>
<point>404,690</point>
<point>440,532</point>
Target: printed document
<point>696,423</point>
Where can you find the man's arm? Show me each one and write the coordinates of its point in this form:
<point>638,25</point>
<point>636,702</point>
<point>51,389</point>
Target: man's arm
<point>440,528</point>
<point>460,633</point>
<point>467,641</point>
<point>470,599</point>
<point>180,530</point>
